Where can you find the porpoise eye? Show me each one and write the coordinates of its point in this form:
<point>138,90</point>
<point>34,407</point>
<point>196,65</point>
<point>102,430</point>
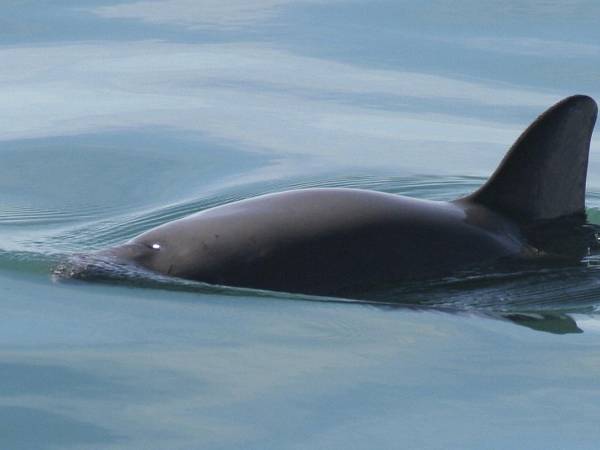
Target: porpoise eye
<point>155,246</point>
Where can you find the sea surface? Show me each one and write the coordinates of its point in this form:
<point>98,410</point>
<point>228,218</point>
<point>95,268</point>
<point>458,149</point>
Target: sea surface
<point>118,116</point>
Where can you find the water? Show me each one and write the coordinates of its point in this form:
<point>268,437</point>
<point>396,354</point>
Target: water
<point>116,117</point>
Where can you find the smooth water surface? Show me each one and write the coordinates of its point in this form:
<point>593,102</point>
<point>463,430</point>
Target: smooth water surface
<point>119,116</point>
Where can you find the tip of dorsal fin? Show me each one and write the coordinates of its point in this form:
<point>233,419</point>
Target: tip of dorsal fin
<point>543,174</point>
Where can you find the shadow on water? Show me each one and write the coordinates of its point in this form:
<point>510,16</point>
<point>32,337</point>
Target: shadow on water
<point>539,296</point>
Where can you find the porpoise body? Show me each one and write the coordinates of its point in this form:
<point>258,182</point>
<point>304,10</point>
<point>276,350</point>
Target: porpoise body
<point>339,241</point>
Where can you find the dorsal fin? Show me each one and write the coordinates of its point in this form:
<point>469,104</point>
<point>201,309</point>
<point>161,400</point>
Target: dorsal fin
<point>543,174</point>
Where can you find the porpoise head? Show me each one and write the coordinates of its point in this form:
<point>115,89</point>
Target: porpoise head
<point>153,251</point>
<point>156,250</point>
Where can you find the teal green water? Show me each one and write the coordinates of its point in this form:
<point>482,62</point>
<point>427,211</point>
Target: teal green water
<point>116,117</point>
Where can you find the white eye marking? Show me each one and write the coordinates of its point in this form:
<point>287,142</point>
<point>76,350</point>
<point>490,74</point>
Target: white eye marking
<point>156,246</point>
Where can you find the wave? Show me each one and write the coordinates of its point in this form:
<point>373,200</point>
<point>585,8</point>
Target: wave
<point>574,288</point>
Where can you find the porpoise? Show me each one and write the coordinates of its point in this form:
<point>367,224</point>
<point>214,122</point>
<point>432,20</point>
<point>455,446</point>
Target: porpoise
<point>340,242</point>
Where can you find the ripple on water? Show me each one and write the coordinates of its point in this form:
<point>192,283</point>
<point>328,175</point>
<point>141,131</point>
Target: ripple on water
<point>30,216</point>
<point>565,289</point>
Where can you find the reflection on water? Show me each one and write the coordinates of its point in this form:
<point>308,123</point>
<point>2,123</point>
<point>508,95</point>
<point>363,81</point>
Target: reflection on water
<point>117,116</point>
<point>166,369</point>
<point>26,428</point>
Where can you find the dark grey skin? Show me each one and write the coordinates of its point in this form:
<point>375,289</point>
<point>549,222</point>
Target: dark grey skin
<point>342,241</point>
